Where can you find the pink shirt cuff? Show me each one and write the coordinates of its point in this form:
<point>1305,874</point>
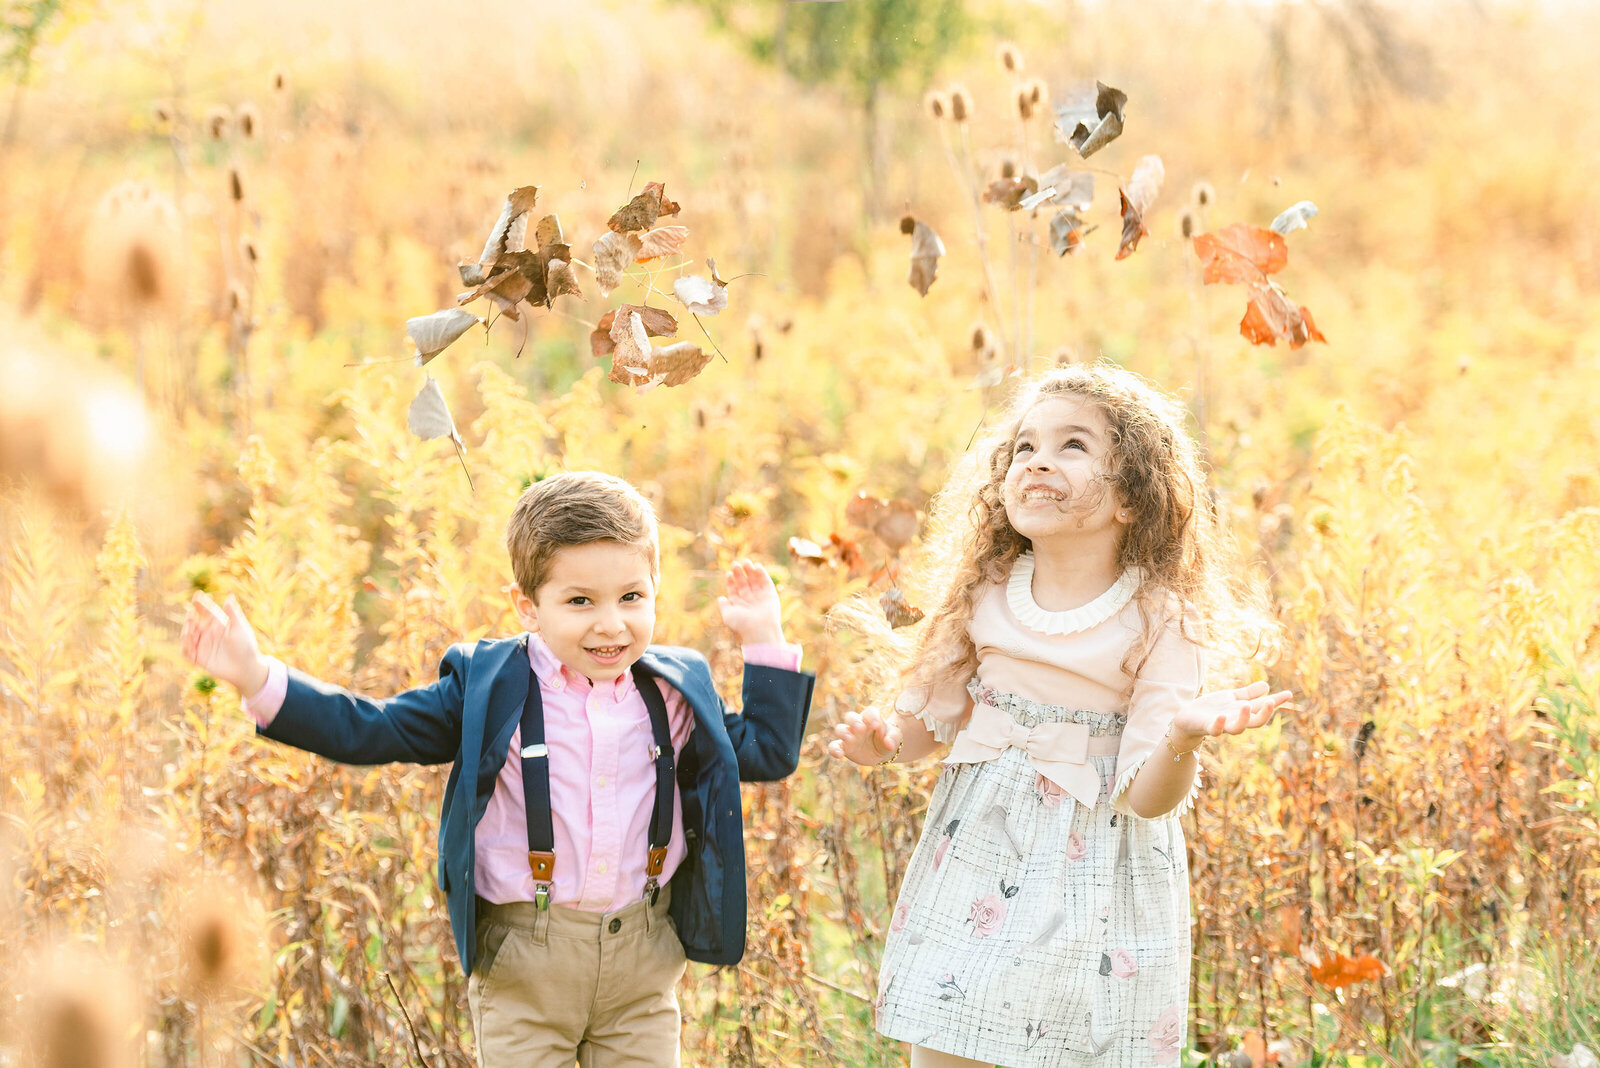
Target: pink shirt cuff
<point>774,655</point>
<point>264,706</point>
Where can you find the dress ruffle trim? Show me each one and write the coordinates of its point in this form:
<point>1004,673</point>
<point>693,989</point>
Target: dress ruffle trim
<point>1019,598</point>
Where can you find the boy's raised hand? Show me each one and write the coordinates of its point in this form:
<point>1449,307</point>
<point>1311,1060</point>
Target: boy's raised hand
<point>1229,711</point>
<point>750,605</point>
<point>221,642</point>
<point>865,738</point>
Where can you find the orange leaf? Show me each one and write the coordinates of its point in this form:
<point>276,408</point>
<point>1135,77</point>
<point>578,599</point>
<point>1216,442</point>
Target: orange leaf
<point>662,241</point>
<point>1133,227</point>
<point>1270,316</point>
<point>1241,253</point>
<point>1341,971</point>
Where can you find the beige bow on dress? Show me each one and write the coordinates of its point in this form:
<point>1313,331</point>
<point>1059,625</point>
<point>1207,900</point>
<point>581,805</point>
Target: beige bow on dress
<point>1059,751</point>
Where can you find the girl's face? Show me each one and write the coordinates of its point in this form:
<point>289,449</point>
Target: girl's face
<point>1057,485</point>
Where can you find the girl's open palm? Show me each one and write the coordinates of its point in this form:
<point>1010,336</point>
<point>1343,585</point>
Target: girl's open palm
<point>750,605</point>
<point>1228,711</point>
<point>221,641</point>
<point>864,737</point>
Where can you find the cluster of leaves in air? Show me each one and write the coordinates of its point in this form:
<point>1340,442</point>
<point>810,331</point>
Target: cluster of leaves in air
<point>1248,255</point>
<point>894,523</point>
<point>516,275</point>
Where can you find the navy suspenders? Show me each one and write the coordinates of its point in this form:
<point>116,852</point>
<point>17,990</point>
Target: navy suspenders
<point>536,788</point>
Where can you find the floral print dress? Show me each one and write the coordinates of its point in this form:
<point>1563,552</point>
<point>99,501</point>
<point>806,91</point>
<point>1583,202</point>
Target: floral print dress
<point>1034,930</point>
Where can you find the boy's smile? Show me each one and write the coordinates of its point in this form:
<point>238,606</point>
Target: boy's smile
<point>596,608</point>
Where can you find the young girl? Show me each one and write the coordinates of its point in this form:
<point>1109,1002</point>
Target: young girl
<point>1044,917</point>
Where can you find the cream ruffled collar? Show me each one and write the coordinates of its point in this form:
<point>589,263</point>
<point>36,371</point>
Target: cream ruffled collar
<point>1019,596</point>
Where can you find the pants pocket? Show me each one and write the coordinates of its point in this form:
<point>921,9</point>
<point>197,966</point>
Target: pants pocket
<point>490,938</point>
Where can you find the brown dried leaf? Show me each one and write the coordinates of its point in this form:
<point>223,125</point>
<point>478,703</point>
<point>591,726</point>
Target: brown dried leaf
<point>658,322</point>
<point>662,241</point>
<point>612,255</point>
<point>1145,185</point>
<point>1066,232</point>
<point>1133,227</point>
<point>897,610</point>
<point>897,524</point>
<point>864,509</point>
<point>1108,105</point>
<point>926,248</point>
<point>561,282</point>
<point>1009,193</point>
<point>670,366</point>
<point>642,211</point>
<point>630,343</point>
<point>511,227</point>
<point>1061,185</point>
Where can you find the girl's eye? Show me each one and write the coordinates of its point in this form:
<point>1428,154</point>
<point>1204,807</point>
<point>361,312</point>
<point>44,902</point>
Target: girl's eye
<point>1076,443</point>
<point>1021,445</point>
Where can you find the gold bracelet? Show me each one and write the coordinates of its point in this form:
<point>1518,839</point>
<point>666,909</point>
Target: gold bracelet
<point>894,756</point>
<point>1178,756</point>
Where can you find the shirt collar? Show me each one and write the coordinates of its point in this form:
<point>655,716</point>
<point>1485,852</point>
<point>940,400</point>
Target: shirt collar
<point>556,675</point>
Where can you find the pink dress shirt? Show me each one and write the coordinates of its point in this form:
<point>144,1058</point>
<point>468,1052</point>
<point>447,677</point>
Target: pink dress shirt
<point>602,784</point>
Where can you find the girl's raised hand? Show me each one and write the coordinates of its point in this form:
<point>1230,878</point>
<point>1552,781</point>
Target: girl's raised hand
<point>865,738</point>
<point>1227,712</point>
<point>750,605</point>
<point>221,642</point>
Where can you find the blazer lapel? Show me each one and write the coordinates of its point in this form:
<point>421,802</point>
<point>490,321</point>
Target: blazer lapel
<point>500,711</point>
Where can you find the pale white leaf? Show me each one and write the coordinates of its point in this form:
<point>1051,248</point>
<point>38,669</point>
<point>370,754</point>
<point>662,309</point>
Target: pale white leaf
<point>1295,218</point>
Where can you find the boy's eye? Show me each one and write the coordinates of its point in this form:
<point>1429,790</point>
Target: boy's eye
<point>577,600</point>
<point>633,596</point>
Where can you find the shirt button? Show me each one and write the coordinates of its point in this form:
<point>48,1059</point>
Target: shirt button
<point>601,781</point>
<point>602,868</point>
<point>615,926</point>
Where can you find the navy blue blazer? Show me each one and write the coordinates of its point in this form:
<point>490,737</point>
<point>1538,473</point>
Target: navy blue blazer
<point>467,718</point>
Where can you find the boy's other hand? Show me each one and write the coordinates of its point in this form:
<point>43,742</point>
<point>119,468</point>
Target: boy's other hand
<point>750,605</point>
<point>221,642</point>
<point>865,738</point>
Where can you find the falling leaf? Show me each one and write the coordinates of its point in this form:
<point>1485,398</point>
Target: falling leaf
<point>1133,227</point>
<point>1061,185</point>
<point>511,228</point>
<point>1271,315</point>
<point>1145,185</point>
<point>896,524</point>
<point>429,418</point>
<point>560,282</point>
<point>548,232</point>
<point>850,554</point>
<point>701,296</point>
<point>612,254</point>
<point>926,248</point>
<point>630,342</point>
<point>1008,193</point>
<point>1108,105</point>
<point>1341,971</point>
<point>1294,218</point>
<point>471,273</point>
<point>807,550</point>
<point>658,322</point>
<point>1240,253</point>
<point>432,334</point>
<point>642,211</point>
<point>898,611</point>
<point>993,376</point>
<point>1066,232</point>
<point>670,366</point>
<point>864,509</point>
<point>662,241</point>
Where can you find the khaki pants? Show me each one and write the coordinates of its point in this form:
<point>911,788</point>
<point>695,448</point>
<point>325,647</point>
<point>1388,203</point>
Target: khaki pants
<point>560,984</point>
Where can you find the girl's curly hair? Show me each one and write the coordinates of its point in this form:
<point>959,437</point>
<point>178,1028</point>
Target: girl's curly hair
<point>1174,535</point>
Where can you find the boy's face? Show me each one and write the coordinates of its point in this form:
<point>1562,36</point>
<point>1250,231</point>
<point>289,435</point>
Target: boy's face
<point>596,608</point>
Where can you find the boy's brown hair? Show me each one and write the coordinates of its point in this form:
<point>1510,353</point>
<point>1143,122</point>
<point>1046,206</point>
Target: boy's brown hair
<point>576,508</point>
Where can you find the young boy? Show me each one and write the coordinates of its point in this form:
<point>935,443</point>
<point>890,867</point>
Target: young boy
<point>591,836</point>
